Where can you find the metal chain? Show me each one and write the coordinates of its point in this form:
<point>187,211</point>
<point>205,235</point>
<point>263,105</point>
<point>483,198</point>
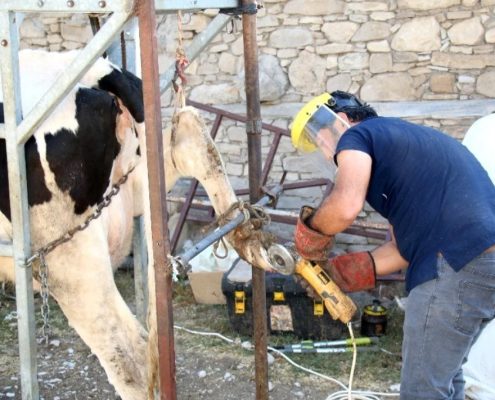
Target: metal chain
<point>45,294</point>
<point>43,251</point>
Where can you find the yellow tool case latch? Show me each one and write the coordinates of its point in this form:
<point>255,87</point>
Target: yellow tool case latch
<point>278,294</point>
<point>318,308</point>
<point>240,301</point>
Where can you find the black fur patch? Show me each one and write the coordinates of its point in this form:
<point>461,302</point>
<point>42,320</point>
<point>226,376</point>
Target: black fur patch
<point>128,88</point>
<point>82,161</point>
<point>38,193</point>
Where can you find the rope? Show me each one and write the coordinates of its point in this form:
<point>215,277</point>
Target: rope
<point>251,212</point>
<point>181,63</point>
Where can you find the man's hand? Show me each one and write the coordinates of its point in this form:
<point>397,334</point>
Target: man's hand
<point>350,272</point>
<point>353,272</point>
<point>311,244</point>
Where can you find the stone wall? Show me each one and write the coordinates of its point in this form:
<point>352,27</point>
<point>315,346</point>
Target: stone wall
<point>382,50</point>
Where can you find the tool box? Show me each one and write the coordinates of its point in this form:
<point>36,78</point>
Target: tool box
<point>288,308</point>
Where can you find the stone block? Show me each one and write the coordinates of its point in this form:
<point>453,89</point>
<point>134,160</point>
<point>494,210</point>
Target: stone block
<point>485,84</point>
<point>468,32</point>
<point>380,63</point>
<point>307,72</point>
<point>290,38</point>
<point>367,6</point>
<point>52,39</point>
<point>32,28</point>
<point>222,93</point>
<point>372,30</point>
<point>380,46</point>
<point>442,83</point>
<point>395,86</point>
<point>382,16</point>
<point>419,35</point>
<point>76,33</point>
<point>339,82</point>
<point>314,7</point>
<point>339,32</point>
<point>457,60</point>
<point>490,35</point>
<point>425,5</point>
<point>228,63</point>
<point>196,23</point>
<point>334,48</point>
<point>354,61</point>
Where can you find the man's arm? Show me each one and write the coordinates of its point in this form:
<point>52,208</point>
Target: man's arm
<point>388,258</point>
<point>343,204</point>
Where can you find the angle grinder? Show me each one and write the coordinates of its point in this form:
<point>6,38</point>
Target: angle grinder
<point>288,262</point>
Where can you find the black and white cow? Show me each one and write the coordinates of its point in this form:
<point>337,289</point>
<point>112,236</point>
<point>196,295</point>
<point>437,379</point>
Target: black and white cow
<point>92,138</point>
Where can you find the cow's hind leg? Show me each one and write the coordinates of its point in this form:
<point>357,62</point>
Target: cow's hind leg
<point>81,280</point>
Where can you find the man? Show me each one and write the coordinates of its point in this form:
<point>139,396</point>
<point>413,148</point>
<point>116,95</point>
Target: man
<point>440,203</point>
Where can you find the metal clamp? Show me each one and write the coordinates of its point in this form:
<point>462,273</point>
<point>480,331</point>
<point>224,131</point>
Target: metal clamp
<point>248,9</point>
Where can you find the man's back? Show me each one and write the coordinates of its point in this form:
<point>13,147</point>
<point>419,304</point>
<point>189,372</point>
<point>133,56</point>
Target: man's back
<point>431,189</point>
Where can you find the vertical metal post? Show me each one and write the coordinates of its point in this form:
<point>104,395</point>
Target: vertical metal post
<point>253,130</point>
<point>19,205</point>
<point>157,193</point>
<point>140,268</point>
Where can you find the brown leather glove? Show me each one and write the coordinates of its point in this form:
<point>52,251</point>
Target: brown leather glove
<point>310,244</point>
<point>353,272</point>
<point>350,272</point>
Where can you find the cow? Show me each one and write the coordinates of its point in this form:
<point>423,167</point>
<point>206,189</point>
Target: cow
<point>93,138</point>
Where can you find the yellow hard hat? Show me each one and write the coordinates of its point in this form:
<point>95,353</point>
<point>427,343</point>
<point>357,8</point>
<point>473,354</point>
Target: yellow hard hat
<point>298,135</point>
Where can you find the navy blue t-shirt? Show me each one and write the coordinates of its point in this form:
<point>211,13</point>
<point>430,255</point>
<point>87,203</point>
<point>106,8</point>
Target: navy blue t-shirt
<point>433,191</point>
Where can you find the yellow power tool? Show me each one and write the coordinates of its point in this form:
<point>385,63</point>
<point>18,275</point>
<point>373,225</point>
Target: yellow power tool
<point>338,304</point>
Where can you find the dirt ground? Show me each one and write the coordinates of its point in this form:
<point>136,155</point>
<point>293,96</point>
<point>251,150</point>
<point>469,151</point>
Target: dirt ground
<point>206,367</point>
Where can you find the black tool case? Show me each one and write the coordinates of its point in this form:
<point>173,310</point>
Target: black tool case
<point>288,308</point>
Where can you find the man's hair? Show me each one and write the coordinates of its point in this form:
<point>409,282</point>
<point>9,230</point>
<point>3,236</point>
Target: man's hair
<point>350,105</point>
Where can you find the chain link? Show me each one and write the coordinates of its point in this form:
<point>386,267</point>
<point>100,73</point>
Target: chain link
<point>45,294</point>
<point>43,251</point>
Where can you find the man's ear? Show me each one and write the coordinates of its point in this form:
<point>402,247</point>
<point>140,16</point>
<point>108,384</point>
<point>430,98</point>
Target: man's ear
<point>344,117</point>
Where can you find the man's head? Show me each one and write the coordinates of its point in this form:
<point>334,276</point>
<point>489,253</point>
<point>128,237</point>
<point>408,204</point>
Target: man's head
<point>347,103</point>
<point>324,119</point>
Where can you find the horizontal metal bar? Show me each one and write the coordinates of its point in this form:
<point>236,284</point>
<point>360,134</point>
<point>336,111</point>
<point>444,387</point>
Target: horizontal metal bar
<point>241,117</point>
<point>2,131</point>
<point>67,6</point>
<point>6,249</point>
<point>106,6</point>
<point>174,5</point>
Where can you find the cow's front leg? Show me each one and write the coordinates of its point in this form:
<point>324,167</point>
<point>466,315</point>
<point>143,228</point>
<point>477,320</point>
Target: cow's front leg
<point>81,280</point>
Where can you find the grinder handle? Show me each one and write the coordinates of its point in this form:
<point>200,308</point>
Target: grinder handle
<point>338,304</point>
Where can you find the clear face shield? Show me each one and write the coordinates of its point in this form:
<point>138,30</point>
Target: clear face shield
<point>322,131</point>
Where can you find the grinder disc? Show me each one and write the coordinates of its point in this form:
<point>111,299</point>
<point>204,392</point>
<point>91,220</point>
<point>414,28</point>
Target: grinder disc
<point>281,259</point>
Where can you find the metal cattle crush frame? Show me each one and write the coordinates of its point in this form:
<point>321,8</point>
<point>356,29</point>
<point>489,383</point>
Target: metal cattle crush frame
<point>17,129</point>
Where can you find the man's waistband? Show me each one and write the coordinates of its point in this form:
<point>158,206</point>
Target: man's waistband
<point>490,250</point>
<point>487,251</point>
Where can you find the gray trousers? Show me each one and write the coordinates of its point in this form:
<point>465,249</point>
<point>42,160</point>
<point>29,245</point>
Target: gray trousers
<point>443,319</point>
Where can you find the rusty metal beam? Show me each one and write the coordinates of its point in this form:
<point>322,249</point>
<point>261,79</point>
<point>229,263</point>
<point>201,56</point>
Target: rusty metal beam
<point>157,196</point>
<point>253,130</point>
